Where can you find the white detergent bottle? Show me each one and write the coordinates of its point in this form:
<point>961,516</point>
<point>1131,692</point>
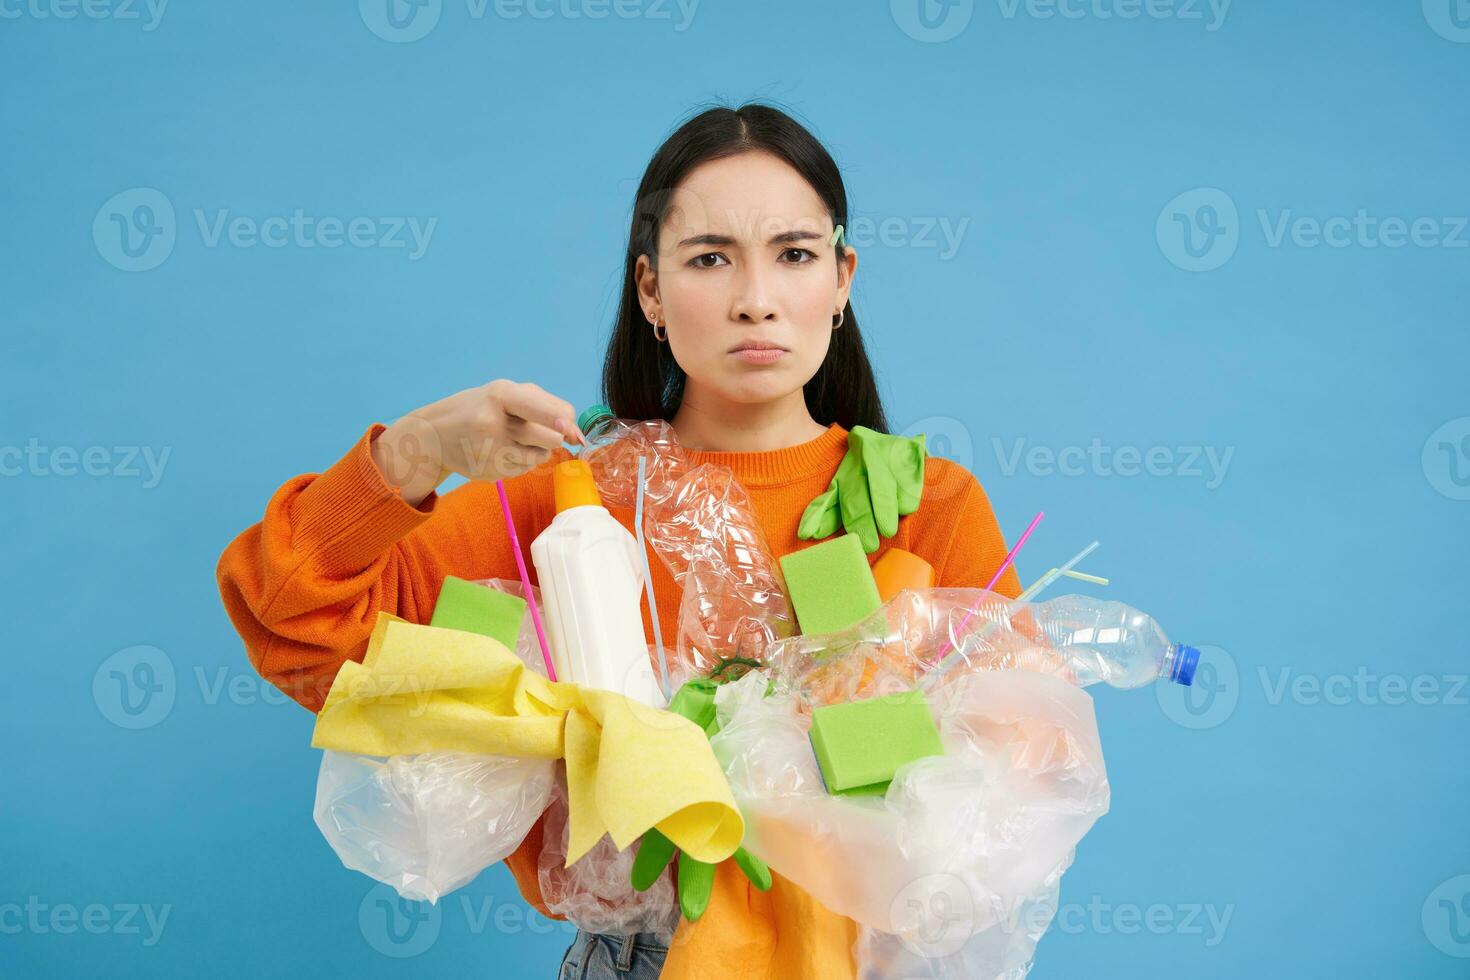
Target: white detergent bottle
<point>591,579</point>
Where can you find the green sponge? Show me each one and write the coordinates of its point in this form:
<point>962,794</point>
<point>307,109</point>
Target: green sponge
<point>479,609</point>
<point>861,744</point>
<point>830,585</point>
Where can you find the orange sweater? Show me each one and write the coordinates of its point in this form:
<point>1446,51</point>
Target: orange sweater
<point>304,586</point>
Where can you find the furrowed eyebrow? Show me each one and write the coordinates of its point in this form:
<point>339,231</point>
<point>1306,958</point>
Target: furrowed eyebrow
<point>784,238</point>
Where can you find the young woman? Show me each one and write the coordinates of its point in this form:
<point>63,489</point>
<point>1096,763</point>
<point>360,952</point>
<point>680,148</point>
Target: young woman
<point>734,326</point>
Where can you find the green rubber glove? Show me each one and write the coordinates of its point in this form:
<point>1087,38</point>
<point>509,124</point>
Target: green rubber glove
<point>695,701</point>
<point>879,480</point>
<point>696,878</point>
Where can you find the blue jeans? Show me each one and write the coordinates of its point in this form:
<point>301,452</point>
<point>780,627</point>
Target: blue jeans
<point>594,956</point>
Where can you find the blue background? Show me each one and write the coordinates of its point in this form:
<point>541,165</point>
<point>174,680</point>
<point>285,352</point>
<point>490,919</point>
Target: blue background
<point>1333,546</point>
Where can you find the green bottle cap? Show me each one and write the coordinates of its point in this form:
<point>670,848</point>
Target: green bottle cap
<point>591,415</point>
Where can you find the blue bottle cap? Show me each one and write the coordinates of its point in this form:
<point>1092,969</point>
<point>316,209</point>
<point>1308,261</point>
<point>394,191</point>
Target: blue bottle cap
<point>1186,659</point>
<point>591,414</point>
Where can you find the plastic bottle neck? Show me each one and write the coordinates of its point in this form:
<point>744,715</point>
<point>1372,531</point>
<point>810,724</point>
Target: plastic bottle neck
<point>1179,664</point>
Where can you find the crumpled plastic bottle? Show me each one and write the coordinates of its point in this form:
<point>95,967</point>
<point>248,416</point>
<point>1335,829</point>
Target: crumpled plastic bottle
<point>699,521</point>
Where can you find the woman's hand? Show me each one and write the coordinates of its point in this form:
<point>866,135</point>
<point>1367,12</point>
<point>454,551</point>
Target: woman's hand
<point>495,431</point>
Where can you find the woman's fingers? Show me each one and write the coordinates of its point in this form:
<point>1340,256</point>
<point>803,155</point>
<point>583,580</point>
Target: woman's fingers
<point>538,418</point>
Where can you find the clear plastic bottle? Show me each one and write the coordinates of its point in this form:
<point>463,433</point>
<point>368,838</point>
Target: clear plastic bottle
<point>700,523</point>
<point>1112,643</point>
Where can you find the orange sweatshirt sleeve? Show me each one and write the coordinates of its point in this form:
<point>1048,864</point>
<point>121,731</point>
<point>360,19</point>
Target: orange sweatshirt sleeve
<point>962,531</point>
<point>304,585</point>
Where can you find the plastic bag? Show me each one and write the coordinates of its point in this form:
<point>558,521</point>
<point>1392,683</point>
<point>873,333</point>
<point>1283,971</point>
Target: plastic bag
<point>595,893</point>
<point>961,844</point>
<point>428,824</point>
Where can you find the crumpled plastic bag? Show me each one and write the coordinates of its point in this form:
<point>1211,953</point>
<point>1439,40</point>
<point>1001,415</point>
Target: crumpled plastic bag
<point>938,870</point>
<point>428,824</point>
<point>596,893</point>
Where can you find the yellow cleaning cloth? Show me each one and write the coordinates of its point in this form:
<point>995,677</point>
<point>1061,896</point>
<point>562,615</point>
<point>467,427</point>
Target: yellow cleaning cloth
<point>629,767</point>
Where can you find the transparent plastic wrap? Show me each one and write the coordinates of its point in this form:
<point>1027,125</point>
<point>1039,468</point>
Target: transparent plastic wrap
<point>699,521</point>
<point>595,892</point>
<point>929,637</point>
<point>1021,780</point>
<point>428,824</point>
<point>953,871</point>
<point>894,648</point>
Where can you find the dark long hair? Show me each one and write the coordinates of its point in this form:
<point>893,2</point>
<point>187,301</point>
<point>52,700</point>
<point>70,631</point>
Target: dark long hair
<point>640,378</point>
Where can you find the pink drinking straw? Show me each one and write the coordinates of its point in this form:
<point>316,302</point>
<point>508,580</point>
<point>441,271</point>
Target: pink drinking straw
<point>515,545</point>
<point>1020,542</point>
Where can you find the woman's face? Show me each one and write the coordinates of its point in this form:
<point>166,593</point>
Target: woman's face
<point>747,282</point>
